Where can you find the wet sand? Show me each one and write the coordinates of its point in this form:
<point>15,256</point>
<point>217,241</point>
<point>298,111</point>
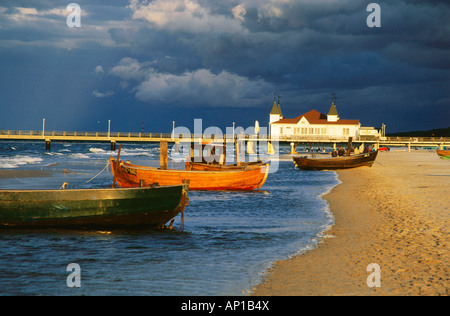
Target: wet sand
<point>12,173</point>
<point>395,214</point>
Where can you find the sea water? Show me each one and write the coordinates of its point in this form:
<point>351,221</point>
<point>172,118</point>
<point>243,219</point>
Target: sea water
<point>229,241</point>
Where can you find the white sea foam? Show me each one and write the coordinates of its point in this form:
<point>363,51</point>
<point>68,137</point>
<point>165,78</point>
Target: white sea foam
<point>124,152</point>
<point>97,150</point>
<point>137,152</point>
<point>16,161</point>
<point>53,154</point>
<point>79,156</point>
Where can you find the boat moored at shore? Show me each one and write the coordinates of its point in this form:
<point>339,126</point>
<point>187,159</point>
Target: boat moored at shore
<point>128,175</point>
<point>444,154</point>
<point>336,163</point>
<point>149,207</point>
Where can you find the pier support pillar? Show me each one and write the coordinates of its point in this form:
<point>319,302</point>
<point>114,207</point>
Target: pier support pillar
<point>293,148</point>
<point>113,145</point>
<point>409,147</point>
<point>334,146</point>
<point>223,153</point>
<point>270,148</point>
<point>237,148</point>
<point>48,143</point>
<point>251,147</point>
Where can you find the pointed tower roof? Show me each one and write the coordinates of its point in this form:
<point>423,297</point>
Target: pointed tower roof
<point>276,110</point>
<point>332,115</point>
<point>333,110</point>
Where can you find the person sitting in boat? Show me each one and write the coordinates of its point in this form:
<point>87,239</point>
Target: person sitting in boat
<point>341,152</point>
<point>334,153</point>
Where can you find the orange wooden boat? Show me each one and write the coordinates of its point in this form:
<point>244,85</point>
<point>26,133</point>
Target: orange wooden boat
<point>218,163</point>
<point>129,175</point>
<point>200,166</point>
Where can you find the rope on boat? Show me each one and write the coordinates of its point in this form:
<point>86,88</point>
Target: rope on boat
<point>107,164</point>
<point>379,163</point>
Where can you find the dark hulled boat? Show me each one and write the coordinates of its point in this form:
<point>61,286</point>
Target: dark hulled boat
<point>92,208</point>
<point>336,163</point>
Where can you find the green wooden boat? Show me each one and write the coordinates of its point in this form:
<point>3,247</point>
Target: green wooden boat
<point>92,208</point>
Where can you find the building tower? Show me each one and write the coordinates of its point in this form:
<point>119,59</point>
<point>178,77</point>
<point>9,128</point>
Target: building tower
<point>275,114</point>
<point>332,115</point>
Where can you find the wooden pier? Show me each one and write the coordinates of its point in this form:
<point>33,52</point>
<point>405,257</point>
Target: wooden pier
<point>118,137</point>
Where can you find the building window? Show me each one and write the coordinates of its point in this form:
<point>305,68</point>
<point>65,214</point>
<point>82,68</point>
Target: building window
<point>311,131</point>
<point>281,130</point>
<point>346,131</point>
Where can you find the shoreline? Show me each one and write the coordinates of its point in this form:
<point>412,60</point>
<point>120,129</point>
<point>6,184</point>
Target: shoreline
<point>394,214</point>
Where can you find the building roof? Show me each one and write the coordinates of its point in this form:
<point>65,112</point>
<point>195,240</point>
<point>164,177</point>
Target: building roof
<point>315,117</point>
<point>276,110</point>
<point>333,110</point>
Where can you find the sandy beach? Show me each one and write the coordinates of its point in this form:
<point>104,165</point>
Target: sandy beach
<point>394,214</point>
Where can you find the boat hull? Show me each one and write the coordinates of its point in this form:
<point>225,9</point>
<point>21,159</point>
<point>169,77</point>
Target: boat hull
<point>128,175</point>
<point>198,166</point>
<point>361,160</point>
<point>94,208</point>
<point>445,154</point>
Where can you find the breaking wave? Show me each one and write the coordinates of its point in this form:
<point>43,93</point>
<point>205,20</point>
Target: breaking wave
<point>17,161</point>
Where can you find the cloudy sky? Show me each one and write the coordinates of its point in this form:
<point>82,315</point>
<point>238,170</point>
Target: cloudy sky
<point>143,62</point>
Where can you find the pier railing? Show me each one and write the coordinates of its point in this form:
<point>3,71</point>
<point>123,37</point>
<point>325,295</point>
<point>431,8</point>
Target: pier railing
<point>392,139</point>
<point>156,137</point>
<point>49,134</point>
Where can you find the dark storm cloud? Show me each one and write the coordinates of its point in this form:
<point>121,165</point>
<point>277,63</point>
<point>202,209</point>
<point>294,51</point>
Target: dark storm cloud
<point>290,31</point>
<point>197,54</point>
